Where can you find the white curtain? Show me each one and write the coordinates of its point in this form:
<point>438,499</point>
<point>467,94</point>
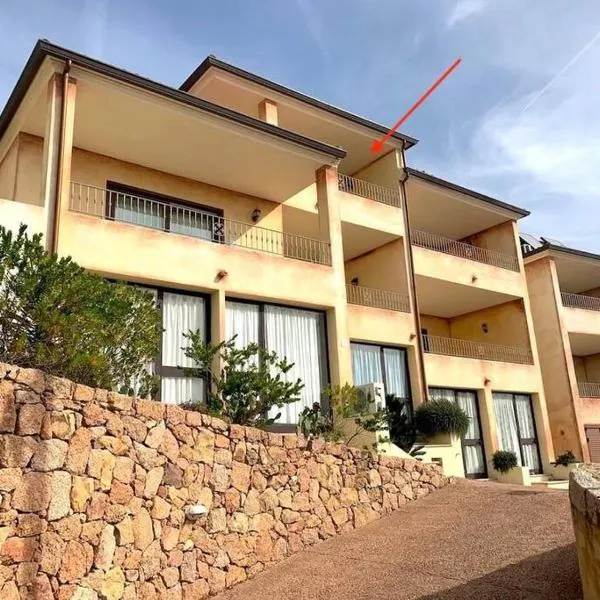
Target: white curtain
<point>138,211</point>
<point>474,460</point>
<point>298,336</point>
<point>396,372</point>
<point>191,222</point>
<point>366,364</point>
<point>242,320</point>
<point>506,424</point>
<point>527,429</point>
<point>175,390</point>
<point>181,314</point>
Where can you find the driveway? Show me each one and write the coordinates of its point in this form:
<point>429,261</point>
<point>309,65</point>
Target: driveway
<point>472,540</point>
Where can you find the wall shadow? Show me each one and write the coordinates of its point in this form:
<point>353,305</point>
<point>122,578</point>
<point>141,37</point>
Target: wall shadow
<point>552,575</point>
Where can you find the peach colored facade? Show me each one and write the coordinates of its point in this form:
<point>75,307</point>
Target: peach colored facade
<point>563,287</point>
<point>394,259</point>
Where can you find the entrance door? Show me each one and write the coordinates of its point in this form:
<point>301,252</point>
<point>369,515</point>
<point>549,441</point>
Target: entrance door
<point>516,428</point>
<point>472,444</point>
<point>592,434</point>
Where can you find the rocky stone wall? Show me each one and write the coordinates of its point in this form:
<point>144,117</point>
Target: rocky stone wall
<point>584,492</point>
<point>95,487</point>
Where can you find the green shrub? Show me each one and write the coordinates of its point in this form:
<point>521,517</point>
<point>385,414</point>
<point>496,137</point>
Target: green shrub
<point>504,460</point>
<point>403,429</point>
<point>315,422</point>
<point>441,416</point>
<point>56,317</point>
<point>565,459</point>
<point>250,383</point>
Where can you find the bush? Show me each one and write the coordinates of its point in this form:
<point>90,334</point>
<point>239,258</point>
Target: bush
<point>403,430</point>
<point>441,416</point>
<point>56,317</point>
<point>504,460</point>
<point>565,459</point>
<point>250,383</point>
<point>314,422</point>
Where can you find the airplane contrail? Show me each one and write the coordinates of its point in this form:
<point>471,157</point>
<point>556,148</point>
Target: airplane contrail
<point>561,72</point>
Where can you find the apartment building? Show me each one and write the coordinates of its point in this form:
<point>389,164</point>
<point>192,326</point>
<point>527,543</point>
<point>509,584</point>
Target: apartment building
<point>564,287</point>
<point>254,210</point>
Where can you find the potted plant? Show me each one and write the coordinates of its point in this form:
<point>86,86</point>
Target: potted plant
<point>441,417</point>
<point>563,465</point>
<point>504,461</point>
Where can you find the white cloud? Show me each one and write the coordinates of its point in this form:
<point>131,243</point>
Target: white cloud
<point>464,9</point>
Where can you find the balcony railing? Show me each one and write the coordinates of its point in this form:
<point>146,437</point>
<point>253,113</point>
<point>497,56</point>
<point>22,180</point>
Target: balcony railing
<point>580,301</point>
<point>479,350</point>
<point>438,243</point>
<point>189,221</point>
<point>357,294</point>
<point>366,189</point>
<point>589,389</point>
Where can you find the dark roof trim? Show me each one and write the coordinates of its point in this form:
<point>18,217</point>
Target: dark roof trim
<point>45,49</point>
<point>211,61</point>
<point>458,188</point>
<point>563,250</point>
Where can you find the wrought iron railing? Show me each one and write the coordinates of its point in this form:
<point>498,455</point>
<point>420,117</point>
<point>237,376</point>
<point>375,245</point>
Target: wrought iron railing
<point>186,220</point>
<point>365,296</point>
<point>480,350</point>
<point>366,189</point>
<point>432,241</point>
<point>589,389</point>
<point>580,301</point>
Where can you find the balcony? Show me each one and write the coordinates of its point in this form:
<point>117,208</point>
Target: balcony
<point>375,298</point>
<point>434,344</point>
<point>192,222</point>
<point>366,189</point>
<point>580,301</point>
<point>435,242</point>
<point>588,389</point>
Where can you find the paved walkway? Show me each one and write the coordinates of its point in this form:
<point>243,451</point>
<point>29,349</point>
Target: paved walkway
<point>470,541</point>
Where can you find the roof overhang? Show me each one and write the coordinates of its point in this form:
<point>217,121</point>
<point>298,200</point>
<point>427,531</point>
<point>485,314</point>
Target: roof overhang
<point>578,271</point>
<point>442,207</point>
<point>131,118</point>
<point>242,91</point>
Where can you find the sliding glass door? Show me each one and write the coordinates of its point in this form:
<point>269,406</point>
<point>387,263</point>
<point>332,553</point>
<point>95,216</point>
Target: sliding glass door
<point>293,333</point>
<point>472,443</point>
<point>515,424</point>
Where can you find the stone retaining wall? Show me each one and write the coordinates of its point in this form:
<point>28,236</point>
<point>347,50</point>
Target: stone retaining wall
<point>584,492</point>
<point>95,487</point>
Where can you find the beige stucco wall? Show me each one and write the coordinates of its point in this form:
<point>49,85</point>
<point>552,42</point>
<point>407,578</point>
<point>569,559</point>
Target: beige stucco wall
<point>21,170</point>
<point>558,370</point>
<point>579,320</point>
<point>8,172</point>
<point>498,238</point>
<point>383,268</point>
<point>587,368</point>
<point>13,214</point>
<point>436,325</point>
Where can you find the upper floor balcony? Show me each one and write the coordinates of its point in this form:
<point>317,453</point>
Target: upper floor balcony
<point>588,389</point>
<point>366,189</point>
<point>581,314</point>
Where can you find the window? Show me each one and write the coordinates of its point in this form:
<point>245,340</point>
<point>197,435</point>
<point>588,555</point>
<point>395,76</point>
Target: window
<point>148,209</point>
<point>293,333</point>
<point>387,365</point>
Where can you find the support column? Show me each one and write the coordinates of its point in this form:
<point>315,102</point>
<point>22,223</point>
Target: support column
<point>487,416</point>
<point>65,155</point>
<point>267,111</point>
<point>218,331</point>
<point>330,227</point>
<point>50,157</point>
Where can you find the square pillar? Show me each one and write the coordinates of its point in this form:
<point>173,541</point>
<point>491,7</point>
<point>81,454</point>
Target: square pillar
<point>487,418</point>
<point>218,331</point>
<point>330,228</point>
<point>267,112</point>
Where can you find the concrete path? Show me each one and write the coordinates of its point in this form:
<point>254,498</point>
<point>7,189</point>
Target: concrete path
<point>470,541</point>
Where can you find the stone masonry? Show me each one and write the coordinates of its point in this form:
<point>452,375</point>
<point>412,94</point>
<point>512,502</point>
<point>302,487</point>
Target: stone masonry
<point>94,488</point>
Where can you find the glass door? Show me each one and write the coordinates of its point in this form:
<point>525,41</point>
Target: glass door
<point>472,443</point>
<point>516,428</point>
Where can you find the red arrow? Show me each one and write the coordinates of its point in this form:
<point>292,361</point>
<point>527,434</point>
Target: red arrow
<point>377,145</point>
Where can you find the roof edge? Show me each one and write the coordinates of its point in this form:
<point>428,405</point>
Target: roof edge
<point>212,61</point>
<point>563,250</point>
<point>44,48</point>
<point>521,212</point>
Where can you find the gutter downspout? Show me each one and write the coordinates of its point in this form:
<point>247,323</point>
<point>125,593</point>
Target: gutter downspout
<point>411,276</point>
<point>53,242</point>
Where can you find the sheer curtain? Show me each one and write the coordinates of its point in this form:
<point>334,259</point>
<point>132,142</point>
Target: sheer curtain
<point>474,459</point>
<point>138,211</point>
<point>181,314</point>
<point>396,372</point>
<point>242,320</point>
<point>506,423</point>
<point>441,394</point>
<point>366,364</point>
<point>527,430</point>
<point>298,335</point>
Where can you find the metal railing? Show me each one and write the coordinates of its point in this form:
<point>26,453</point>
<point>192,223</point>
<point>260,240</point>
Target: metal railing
<point>366,189</point>
<point>358,294</point>
<point>588,389</point>
<point>580,301</point>
<point>479,350</point>
<point>432,241</point>
<point>189,221</point>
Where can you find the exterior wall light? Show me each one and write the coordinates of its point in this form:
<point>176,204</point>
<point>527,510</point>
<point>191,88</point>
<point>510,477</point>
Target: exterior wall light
<point>194,511</point>
<point>221,275</point>
<point>487,381</point>
<point>354,281</point>
<point>484,327</point>
<point>256,215</point>
<point>473,278</point>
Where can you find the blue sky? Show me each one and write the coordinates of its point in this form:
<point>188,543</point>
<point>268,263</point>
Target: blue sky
<point>519,119</point>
